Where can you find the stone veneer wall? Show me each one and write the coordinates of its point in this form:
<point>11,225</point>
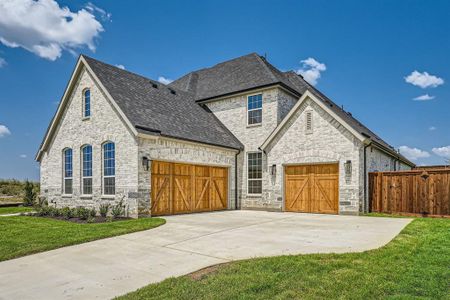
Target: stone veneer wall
<point>183,152</point>
<point>73,132</point>
<point>232,112</point>
<point>329,142</point>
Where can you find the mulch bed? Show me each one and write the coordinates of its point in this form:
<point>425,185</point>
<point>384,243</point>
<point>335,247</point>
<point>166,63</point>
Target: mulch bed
<point>98,219</point>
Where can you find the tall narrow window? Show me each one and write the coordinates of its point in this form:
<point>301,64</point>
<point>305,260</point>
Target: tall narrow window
<point>254,172</point>
<point>86,163</point>
<point>109,169</point>
<point>67,181</point>
<point>254,109</point>
<point>87,103</point>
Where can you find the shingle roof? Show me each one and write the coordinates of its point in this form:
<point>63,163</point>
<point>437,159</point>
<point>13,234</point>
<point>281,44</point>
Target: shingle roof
<point>236,75</point>
<point>253,71</point>
<point>155,108</point>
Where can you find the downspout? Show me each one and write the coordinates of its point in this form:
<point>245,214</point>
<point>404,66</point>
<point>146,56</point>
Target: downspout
<point>236,180</point>
<point>366,200</point>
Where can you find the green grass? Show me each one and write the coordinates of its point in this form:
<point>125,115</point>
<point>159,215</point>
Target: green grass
<point>21,235</point>
<point>14,209</point>
<point>415,265</point>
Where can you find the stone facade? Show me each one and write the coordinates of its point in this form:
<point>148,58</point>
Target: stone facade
<point>232,112</point>
<point>74,131</point>
<point>328,142</point>
<point>183,152</point>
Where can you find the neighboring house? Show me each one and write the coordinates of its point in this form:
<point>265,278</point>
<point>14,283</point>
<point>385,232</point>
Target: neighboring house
<point>238,135</point>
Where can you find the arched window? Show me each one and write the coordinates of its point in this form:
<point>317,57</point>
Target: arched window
<point>86,165</point>
<point>67,172</point>
<point>87,103</point>
<point>109,169</point>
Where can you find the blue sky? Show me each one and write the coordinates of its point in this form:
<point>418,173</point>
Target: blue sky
<point>363,52</point>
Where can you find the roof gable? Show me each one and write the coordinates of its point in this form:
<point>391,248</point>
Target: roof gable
<point>154,108</point>
<point>236,75</point>
<point>52,127</point>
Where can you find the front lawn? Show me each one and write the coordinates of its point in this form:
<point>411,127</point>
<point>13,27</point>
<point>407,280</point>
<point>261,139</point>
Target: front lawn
<point>14,210</point>
<point>416,264</point>
<point>21,235</point>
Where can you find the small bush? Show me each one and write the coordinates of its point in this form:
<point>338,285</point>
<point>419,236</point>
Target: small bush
<point>41,201</point>
<point>93,212</point>
<point>53,211</point>
<point>90,219</point>
<point>67,212</point>
<point>118,210</point>
<point>43,211</point>
<point>109,219</point>
<point>82,213</point>
<point>30,194</point>
<point>104,208</point>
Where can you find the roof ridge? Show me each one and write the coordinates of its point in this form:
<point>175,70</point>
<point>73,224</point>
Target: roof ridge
<point>266,67</point>
<point>135,74</point>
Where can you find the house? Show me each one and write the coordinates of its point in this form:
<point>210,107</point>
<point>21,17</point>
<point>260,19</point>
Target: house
<point>239,135</point>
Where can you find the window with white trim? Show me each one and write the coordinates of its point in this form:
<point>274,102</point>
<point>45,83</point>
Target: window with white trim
<point>109,169</point>
<point>254,109</point>
<point>67,171</point>
<point>254,173</point>
<point>86,172</point>
<point>87,103</point>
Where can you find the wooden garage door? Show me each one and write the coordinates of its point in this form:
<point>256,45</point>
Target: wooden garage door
<point>312,188</point>
<point>184,188</point>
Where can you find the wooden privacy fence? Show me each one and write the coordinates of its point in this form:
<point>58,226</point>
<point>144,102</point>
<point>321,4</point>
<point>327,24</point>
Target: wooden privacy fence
<point>410,192</point>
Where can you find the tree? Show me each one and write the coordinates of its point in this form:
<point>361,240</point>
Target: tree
<point>30,194</point>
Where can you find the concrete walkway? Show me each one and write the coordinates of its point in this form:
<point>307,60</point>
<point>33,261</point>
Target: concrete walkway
<point>112,267</point>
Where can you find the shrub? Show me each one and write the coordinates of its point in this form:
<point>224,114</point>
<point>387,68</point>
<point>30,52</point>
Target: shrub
<point>30,194</point>
<point>82,213</point>
<point>90,219</point>
<point>104,208</point>
<point>67,212</point>
<point>118,210</point>
<point>41,201</point>
<point>43,211</point>
<point>53,211</point>
<point>109,219</point>
<point>93,212</point>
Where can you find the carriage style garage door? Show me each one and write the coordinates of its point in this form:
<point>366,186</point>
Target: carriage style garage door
<point>312,188</point>
<point>183,188</point>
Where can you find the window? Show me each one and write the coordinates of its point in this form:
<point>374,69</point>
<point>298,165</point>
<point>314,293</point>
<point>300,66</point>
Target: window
<point>254,109</point>
<point>109,169</point>
<point>309,126</point>
<point>86,164</point>
<point>87,103</point>
<point>67,181</point>
<point>254,171</point>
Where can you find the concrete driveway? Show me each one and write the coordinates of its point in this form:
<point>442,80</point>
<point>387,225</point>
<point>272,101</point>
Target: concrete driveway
<point>112,267</point>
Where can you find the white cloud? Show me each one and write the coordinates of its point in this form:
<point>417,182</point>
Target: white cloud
<point>423,80</point>
<point>413,153</point>
<point>46,29</point>
<point>164,80</point>
<point>425,97</point>
<point>442,151</point>
<point>311,70</point>
<point>4,131</point>
<point>432,128</point>
<point>23,156</point>
<point>2,62</point>
<point>121,67</point>
<point>95,9</point>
